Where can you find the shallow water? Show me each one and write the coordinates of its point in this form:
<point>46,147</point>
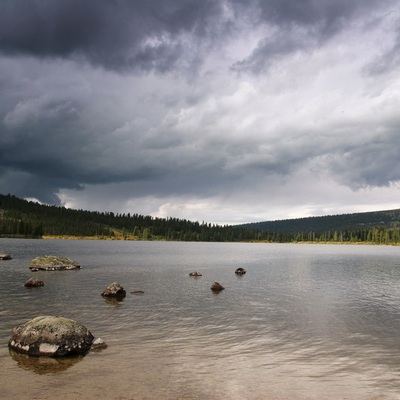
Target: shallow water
<point>305,322</point>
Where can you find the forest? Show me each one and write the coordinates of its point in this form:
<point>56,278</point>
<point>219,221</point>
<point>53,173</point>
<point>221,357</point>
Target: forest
<point>20,218</point>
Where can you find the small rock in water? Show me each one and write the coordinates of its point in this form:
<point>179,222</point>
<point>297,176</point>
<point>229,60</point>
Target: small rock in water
<point>240,271</point>
<point>217,287</point>
<point>33,283</point>
<point>114,290</point>
<point>195,273</point>
<point>138,292</point>
<point>98,344</point>
<point>5,256</point>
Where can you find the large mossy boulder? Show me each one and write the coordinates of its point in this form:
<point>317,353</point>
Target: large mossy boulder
<point>51,336</point>
<point>53,263</point>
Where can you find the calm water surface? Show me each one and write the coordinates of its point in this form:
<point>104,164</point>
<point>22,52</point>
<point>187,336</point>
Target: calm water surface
<point>305,322</point>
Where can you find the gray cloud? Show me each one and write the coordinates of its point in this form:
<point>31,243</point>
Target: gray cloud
<point>82,124</point>
<point>162,35</point>
<point>118,35</point>
<point>303,26</point>
<point>374,163</point>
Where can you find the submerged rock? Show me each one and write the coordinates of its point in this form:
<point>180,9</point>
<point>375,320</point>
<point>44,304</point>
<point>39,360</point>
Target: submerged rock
<point>114,290</point>
<point>51,336</point>
<point>217,287</point>
<point>33,283</point>
<point>137,292</point>
<point>53,263</point>
<point>5,256</point>
<point>240,271</point>
<point>195,273</point>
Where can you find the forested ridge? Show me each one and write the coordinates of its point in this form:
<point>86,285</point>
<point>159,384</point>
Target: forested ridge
<point>28,219</point>
<point>22,218</point>
<point>380,227</point>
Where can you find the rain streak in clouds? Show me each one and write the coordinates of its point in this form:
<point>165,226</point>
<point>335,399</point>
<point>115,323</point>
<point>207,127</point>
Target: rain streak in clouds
<point>221,111</point>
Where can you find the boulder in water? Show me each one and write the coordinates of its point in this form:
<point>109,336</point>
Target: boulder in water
<point>195,273</point>
<point>53,263</point>
<point>51,336</point>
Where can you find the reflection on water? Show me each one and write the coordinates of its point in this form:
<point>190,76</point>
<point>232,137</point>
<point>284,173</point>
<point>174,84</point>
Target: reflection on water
<point>113,301</point>
<point>44,365</point>
<point>304,322</point>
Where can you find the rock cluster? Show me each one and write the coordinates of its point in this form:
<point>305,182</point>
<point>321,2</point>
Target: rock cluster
<point>58,336</point>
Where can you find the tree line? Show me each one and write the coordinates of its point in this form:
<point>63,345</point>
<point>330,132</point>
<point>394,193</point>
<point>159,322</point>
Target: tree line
<point>28,219</point>
<point>22,218</point>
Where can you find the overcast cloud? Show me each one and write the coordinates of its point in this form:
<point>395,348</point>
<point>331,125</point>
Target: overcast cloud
<point>221,111</point>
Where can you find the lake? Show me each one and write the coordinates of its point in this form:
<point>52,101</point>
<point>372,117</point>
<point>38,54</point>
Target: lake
<point>304,322</point>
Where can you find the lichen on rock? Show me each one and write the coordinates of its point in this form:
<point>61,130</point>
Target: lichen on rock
<point>53,263</point>
<point>51,336</point>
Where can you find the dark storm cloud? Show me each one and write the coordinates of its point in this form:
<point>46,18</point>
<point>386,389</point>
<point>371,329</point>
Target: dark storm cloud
<point>79,114</point>
<point>117,34</point>
<point>161,35</point>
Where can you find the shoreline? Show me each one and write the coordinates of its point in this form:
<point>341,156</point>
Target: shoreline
<point>131,238</point>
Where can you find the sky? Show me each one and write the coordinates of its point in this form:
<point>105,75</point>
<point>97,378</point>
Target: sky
<point>223,111</point>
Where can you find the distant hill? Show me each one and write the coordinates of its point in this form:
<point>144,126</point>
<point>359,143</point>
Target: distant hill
<point>342,222</point>
<point>27,219</point>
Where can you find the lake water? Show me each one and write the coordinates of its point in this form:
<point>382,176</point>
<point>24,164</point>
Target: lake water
<point>305,322</point>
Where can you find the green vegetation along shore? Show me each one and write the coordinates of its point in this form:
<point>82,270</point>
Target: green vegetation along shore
<point>20,218</point>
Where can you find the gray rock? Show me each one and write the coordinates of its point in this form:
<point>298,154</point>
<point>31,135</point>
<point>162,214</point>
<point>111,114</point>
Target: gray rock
<point>98,344</point>
<point>240,271</point>
<point>33,283</point>
<point>5,256</point>
<point>53,263</point>
<point>51,336</point>
<point>114,290</point>
<point>217,287</point>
